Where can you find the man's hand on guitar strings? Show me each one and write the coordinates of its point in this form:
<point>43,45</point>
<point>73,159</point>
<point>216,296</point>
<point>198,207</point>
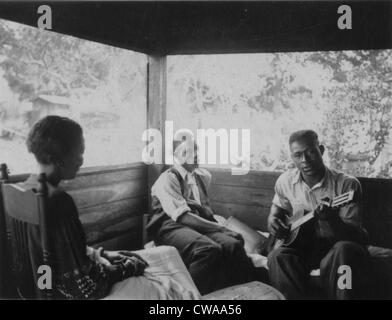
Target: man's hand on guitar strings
<point>324,211</point>
<point>278,228</point>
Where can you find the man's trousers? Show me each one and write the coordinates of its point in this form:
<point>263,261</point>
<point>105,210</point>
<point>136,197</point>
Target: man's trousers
<point>214,260</point>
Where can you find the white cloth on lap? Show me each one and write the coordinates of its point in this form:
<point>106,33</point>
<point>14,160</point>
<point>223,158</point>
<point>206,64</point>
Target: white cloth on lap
<point>166,278</point>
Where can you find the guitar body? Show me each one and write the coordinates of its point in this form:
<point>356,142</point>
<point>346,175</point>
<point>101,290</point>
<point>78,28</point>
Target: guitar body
<point>292,240</point>
<point>296,238</point>
<point>301,231</point>
<point>288,242</point>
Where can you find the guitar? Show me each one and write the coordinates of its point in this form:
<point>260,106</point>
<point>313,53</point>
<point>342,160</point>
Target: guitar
<point>296,221</point>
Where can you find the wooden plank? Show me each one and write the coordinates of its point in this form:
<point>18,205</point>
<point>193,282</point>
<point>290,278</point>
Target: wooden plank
<point>108,229</point>
<point>253,216</point>
<point>109,193</point>
<point>255,179</point>
<point>127,241</point>
<point>111,168</point>
<point>18,178</point>
<point>106,220</point>
<point>377,213</point>
<point>241,195</point>
<point>15,178</point>
<point>104,178</point>
<point>127,207</point>
<point>377,196</point>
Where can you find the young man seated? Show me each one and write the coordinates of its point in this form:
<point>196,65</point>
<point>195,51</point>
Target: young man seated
<point>334,239</point>
<point>81,272</point>
<point>183,218</point>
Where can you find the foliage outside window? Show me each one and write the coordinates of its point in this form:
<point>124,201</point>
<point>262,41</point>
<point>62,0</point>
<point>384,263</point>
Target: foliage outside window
<point>345,96</point>
<point>101,87</point>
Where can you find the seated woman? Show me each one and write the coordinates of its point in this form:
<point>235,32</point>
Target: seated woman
<point>79,271</point>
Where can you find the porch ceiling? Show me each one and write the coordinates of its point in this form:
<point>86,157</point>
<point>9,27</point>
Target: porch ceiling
<point>160,27</point>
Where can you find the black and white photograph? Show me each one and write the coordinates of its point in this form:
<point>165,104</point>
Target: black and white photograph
<point>196,150</point>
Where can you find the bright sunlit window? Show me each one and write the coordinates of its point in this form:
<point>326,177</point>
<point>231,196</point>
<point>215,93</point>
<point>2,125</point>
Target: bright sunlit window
<point>345,96</point>
<point>101,87</point>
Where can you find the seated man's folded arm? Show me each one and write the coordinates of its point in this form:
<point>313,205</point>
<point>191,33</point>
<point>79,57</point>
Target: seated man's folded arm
<point>168,191</point>
<point>199,224</point>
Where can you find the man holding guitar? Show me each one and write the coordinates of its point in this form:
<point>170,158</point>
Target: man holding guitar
<point>329,233</point>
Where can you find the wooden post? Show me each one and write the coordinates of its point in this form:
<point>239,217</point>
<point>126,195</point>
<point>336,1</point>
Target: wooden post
<point>42,195</point>
<point>4,263</point>
<point>156,116</point>
<point>156,105</point>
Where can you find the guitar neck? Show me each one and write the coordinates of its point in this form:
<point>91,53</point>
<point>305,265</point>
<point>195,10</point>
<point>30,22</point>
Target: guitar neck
<point>300,221</point>
<point>337,202</point>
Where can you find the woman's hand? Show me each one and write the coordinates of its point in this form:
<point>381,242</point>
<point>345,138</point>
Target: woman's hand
<point>133,266</point>
<point>98,257</point>
<point>130,262</point>
<point>115,256</point>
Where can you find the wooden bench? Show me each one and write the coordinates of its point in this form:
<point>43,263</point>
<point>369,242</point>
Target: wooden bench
<point>249,199</point>
<point>112,202</point>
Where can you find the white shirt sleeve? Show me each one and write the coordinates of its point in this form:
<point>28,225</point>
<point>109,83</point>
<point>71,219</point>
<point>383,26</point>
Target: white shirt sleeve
<point>280,198</point>
<point>168,190</point>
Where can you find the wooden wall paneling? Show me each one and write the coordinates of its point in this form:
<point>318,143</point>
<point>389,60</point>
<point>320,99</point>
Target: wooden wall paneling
<point>253,216</point>
<point>115,210</point>
<point>98,195</point>
<point>247,197</point>
<point>111,204</point>
<point>104,230</point>
<point>87,179</point>
<point>378,210</point>
<point>130,240</point>
<point>255,179</point>
<point>241,195</point>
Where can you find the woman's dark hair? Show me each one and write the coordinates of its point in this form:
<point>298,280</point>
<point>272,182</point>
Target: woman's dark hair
<point>52,138</point>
